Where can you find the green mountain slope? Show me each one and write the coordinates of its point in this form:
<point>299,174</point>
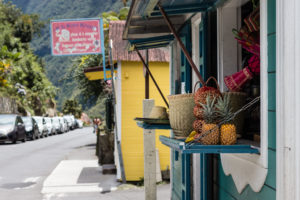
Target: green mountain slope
<point>56,67</point>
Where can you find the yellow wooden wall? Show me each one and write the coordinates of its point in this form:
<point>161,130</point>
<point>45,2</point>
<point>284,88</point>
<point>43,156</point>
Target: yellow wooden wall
<point>133,93</point>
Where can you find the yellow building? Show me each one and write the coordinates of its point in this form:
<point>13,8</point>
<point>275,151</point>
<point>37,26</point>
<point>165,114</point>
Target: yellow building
<point>130,93</point>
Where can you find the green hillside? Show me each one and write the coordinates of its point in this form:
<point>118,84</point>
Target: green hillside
<point>22,74</point>
<point>56,67</point>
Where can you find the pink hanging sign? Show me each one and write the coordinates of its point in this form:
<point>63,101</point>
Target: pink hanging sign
<point>76,37</point>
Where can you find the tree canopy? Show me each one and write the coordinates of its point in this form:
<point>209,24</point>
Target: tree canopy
<point>22,74</point>
<point>91,91</point>
<point>71,106</point>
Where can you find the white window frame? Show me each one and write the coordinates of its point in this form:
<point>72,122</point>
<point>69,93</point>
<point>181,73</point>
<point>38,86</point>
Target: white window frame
<point>244,168</point>
<point>195,21</point>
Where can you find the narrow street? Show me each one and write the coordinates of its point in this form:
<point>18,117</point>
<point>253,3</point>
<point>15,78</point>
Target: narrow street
<point>61,167</point>
<point>25,166</point>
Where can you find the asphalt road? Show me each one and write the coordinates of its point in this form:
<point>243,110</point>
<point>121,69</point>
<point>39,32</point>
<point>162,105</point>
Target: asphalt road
<point>25,166</point>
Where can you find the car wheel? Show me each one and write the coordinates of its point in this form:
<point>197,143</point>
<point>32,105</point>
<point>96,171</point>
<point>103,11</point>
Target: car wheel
<point>15,138</point>
<point>33,136</point>
<point>37,135</point>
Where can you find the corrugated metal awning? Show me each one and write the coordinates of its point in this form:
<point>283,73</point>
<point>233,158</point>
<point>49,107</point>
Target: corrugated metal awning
<point>146,28</point>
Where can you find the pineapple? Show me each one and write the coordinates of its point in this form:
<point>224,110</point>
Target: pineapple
<point>228,130</point>
<point>198,112</point>
<point>197,125</point>
<point>209,125</point>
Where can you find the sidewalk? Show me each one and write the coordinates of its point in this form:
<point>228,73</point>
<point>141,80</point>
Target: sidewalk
<point>79,177</point>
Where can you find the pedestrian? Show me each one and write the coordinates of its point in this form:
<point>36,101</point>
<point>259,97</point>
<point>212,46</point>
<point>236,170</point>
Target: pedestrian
<point>95,125</point>
<point>98,122</point>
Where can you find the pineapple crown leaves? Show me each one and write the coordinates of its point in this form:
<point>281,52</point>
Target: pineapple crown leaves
<point>223,109</point>
<point>209,110</point>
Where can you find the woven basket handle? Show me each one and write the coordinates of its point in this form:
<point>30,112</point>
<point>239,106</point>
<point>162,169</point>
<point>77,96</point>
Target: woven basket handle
<point>196,85</point>
<point>215,80</point>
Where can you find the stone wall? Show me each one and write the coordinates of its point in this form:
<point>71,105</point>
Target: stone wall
<point>8,105</point>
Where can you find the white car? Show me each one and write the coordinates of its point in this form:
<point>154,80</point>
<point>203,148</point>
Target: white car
<point>79,123</point>
<point>41,123</point>
<point>57,125</point>
<point>69,122</point>
<point>73,121</point>
<point>49,125</point>
<point>63,122</point>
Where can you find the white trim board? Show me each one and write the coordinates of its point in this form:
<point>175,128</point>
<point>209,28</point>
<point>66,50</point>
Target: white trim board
<point>236,165</point>
<point>288,98</point>
<point>196,20</point>
<point>118,86</point>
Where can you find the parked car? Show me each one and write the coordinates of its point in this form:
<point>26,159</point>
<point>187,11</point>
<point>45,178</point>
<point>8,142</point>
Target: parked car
<point>69,122</point>
<point>43,131</point>
<point>57,125</point>
<point>49,125</point>
<point>31,128</point>
<point>79,123</point>
<point>12,128</point>
<point>73,121</point>
<point>64,124</point>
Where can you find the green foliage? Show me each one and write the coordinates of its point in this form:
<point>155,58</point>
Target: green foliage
<point>90,91</point>
<point>58,68</point>
<point>88,88</point>
<point>72,107</point>
<point>23,74</point>
<point>26,26</point>
<point>98,110</point>
<point>123,13</point>
<point>65,72</point>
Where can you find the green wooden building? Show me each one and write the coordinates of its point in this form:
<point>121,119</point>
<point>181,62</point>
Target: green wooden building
<point>267,165</point>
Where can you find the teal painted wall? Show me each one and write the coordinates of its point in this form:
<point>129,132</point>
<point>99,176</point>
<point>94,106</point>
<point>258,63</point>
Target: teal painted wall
<point>225,184</point>
<point>180,172</point>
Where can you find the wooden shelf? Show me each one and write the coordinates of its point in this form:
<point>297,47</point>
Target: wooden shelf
<point>184,148</point>
<point>153,126</point>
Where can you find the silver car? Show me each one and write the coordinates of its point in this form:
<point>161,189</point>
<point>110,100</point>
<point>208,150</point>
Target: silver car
<point>79,123</point>
<point>12,128</point>
<point>41,123</point>
<point>64,124</point>
<point>57,125</point>
<point>73,121</point>
<point>50,126</point>
<point>69,122</point>
<point>31,128</point>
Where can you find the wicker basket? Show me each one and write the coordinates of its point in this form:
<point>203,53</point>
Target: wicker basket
<point>237,101</point>
<point>181,114</point>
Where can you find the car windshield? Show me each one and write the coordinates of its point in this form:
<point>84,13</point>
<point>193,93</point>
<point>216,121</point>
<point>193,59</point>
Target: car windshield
<point>7,119</point>
<point>26,120</point>
<point>39,120</point>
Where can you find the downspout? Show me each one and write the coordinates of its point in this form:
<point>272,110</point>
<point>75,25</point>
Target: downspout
<point>147,76</point>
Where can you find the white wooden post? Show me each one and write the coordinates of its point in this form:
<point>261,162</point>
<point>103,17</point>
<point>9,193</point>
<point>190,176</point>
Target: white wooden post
<point>149,155</point>
<point>287,99</point>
